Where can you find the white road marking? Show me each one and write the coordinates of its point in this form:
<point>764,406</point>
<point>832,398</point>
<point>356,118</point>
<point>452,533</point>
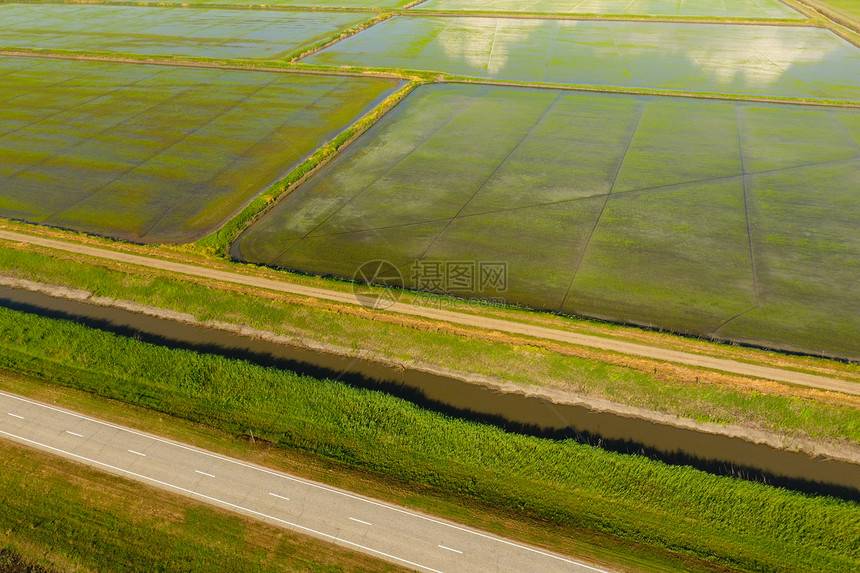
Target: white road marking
<point>137,453</point>
<point>204,473</point>
<point>279,496</point>
<point>449,549</point>
<point>224,503</point>
<point>74,433</point>
<point>311,484</point>
<point>16,416</point>
<point>360,521</point>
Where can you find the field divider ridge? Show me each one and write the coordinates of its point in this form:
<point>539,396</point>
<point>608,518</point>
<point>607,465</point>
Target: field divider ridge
<point>747,213</point>
<point>238,157</point>
<point>585,198</point>
<point>363,189</point>
<point>270,66</point>
<point>305,51</point>
<point>810,22</point>
<point>656,92</point>
<point>426,76</point>
<point>582,252</point>
<point>487,180</point>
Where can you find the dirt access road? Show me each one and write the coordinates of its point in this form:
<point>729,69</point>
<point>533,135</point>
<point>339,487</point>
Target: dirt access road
<point>500,325</point>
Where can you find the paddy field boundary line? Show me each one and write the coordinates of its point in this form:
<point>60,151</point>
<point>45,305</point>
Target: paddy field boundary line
<point>422,76</point>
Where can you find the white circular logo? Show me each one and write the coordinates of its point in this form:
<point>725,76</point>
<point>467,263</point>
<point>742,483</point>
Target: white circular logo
<point>370,277</point>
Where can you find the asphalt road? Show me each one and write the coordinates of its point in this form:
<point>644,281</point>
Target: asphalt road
<point>396,534</point>
<point>623,347</point>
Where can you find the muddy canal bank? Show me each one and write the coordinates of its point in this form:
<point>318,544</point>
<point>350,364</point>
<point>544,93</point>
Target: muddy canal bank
<point>619,429</point>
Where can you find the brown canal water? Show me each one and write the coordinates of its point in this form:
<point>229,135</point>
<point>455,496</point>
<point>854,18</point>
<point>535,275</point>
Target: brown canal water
<point>537,416</point>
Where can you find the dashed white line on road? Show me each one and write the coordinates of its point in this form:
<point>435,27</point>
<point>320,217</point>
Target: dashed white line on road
<point>220,502</point>
<point>137,453</point>
<point>16,416</point>
<point>74,433</point>
<point>360,521</point>
<point>307,483</point>
<point>449,549</point>
<point>279,496</point>
<point>204,473</point>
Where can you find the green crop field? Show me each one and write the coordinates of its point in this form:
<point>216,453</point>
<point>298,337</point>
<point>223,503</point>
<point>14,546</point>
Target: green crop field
<point>353,4</point>
<point>626,208</point>
<point>213,33</point>
<point>737,59</point>
<point>157,153</point>
<point>722,9</point>
<point>733,217</point>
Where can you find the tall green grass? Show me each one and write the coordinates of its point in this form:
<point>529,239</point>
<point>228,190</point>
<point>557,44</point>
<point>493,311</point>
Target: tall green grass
<point>693,515</point>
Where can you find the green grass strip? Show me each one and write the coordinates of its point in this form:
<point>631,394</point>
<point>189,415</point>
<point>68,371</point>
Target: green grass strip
<point>59,515</point>
<point>530,366</point>
<point>689,513</point>
<point>337,37</point>
<point>632,17</point>
<point>218,243</point>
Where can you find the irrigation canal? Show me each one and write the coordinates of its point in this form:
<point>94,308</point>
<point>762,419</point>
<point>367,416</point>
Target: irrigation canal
<point>714,453</point>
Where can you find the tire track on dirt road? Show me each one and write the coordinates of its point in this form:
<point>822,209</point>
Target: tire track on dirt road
<point>495,324</point>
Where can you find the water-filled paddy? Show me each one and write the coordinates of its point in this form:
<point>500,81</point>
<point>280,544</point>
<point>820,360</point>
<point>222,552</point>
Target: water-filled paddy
<point>704,8</point>
<point>707,217</point>
<point>353,4</point>
<point>211,33</point>
<point>742,59</point>
<point>157,153</point>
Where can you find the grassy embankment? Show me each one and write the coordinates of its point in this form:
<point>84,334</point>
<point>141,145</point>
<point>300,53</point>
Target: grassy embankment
<point>423,76</point>
<point>850,8</point>
<point>726,522</point>
<point>559,11</point>
<point>218,243</point>
<point>284,61</point>
<point>71,518</point>
<point>685,392</point>
<point>839,10</point>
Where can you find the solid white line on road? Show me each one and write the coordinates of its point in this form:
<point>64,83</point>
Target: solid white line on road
<point>204,473</point>
<point>74,433</point>
<point>221,502</point>
<point>360,521</point>
<point>449,549</point>
<point>279,496</point>
<point>137,453</point>
<point>16,416</point>
<point>310,484</point>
